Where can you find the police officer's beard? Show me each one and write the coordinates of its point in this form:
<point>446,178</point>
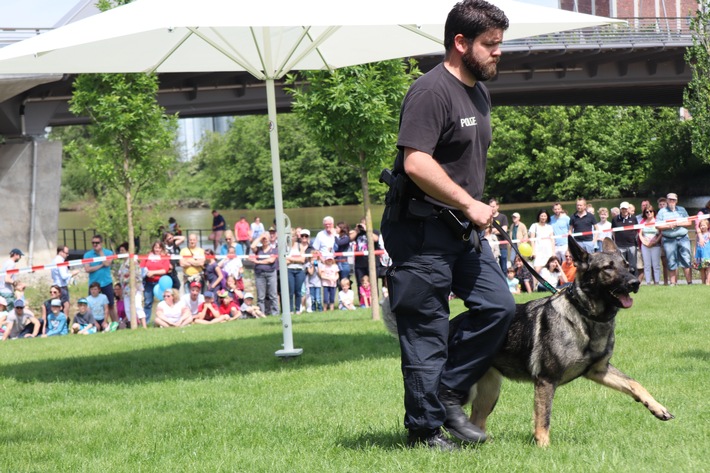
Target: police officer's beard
<point>482,72</point>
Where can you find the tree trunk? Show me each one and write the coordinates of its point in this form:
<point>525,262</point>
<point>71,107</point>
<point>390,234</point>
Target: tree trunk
<point>131,251</point>
<point>372,267</point>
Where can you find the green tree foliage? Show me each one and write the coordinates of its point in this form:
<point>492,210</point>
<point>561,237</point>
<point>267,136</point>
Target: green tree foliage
<point>234,169</point>
<point>550,153</point>
<point>130,146</point>
<point>353,111</point>
<point>696,96</point>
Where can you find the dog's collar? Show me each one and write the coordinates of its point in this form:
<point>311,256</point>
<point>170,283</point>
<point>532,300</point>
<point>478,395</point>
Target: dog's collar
<point>571,295</point>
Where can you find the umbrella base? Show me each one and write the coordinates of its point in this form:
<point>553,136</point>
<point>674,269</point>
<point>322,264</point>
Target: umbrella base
<point>289,353</point>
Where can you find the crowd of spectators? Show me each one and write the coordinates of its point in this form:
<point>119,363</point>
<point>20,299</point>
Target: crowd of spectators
<point>654,251</point>
<point>211,280</point>
<point>323,269</point>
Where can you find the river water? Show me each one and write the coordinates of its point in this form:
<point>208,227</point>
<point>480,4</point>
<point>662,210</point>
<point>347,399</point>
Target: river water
<point>312,217</point>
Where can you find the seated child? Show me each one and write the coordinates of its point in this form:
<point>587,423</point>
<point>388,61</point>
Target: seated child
<point>346,296</point>
<point>513,283</point>
<point>227,306</point>
<point>84,321</point>
<point>208,313</point>
<point>365,292</point>
<point>250,310</point>
<point>56,320</point>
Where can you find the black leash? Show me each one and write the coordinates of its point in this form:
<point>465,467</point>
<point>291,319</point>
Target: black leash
<point>534,273</point>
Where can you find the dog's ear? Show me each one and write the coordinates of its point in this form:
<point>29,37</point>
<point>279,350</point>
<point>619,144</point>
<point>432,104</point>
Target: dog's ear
<point>579,254</point>
<point>609,245</point>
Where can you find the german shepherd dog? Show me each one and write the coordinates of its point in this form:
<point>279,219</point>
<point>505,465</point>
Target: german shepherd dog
<point>556,339</point>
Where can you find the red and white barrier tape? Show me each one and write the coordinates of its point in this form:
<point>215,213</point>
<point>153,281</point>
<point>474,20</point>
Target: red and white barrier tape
<point>101,259</point>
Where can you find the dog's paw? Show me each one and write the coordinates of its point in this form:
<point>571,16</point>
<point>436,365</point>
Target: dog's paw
<point>662,413</point>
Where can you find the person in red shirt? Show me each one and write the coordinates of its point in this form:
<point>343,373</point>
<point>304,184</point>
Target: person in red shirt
<point>157,265</point>
<point>242,229</point>
<point>227,306</point>
<point>208,312</point>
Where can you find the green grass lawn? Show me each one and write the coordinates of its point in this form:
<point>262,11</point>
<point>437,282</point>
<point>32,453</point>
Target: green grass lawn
<point>215,398</point>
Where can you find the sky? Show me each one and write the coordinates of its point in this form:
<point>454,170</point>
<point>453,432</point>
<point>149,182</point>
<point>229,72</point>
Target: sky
<point>33,13</point>
<point>46,13</point>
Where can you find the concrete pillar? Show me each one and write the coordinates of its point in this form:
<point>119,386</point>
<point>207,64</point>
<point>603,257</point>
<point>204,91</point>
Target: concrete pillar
<point>30,182</point>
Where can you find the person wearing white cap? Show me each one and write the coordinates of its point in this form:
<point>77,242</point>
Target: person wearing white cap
<point>626,239</point>
<point>56,320</point>
<point>673,223</point>
<point>249,309</point>
<point>295,263</point>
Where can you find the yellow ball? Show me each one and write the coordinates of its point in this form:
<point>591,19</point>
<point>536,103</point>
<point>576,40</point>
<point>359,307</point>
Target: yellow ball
<point>525,249</point>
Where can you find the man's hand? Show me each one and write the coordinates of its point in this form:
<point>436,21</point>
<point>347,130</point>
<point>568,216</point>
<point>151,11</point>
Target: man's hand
<point>479,214</point>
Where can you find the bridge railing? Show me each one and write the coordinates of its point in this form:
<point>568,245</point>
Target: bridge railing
<point>637,31</point>
<point>669,30</point>
<point>13,35</point>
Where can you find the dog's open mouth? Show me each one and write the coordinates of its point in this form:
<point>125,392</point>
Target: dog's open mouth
<point>624,299</point>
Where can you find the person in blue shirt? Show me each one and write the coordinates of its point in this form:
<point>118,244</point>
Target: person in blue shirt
<point>560,226</point>
<point>98,304</point>
<point>56,320</point>
<point>100,272</point>
<point>673,223</point>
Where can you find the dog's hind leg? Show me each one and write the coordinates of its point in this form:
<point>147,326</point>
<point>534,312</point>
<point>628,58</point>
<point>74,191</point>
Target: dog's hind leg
<point>614,378</point>
<point>485,398</point>
<point>544,393</point>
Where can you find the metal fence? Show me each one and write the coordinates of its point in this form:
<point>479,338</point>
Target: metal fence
<point>636,32</point>
<point>79,240</point>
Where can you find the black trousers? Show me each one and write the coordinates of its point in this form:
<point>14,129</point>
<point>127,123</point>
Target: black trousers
<point>429,263</point>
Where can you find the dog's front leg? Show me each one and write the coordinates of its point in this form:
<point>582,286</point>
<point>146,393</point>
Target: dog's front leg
<point>544,393</point>
<point>616,379</point>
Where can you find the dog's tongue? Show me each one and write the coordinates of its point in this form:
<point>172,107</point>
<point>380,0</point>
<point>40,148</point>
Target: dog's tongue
<point>626,301</point>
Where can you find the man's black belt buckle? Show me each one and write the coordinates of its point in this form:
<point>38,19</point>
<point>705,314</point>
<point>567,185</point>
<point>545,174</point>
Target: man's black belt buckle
<point>466,231</point>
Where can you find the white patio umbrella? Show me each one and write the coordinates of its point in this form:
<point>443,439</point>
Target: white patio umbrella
<point>266,38</point>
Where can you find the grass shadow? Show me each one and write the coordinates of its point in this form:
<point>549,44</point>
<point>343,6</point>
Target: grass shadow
<point>702,355</point>
<point>203,358</point>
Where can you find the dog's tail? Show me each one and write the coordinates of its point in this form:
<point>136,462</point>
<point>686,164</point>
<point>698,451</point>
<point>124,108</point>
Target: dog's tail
<point>388,316</point>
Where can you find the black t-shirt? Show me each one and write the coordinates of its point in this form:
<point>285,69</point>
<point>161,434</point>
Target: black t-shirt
<point>627,238</point>
<point>443,117</point>
<point>583,224</point>
<point>501,220</point>
<point>218,223</point>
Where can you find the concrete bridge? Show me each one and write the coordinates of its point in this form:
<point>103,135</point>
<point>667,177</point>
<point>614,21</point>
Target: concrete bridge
<point>641,63</point>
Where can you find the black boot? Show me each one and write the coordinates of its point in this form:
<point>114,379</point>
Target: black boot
<point>433,439</point>
<point>457,423</point>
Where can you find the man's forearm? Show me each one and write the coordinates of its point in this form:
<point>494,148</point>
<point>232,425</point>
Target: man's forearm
<point>431,178</point>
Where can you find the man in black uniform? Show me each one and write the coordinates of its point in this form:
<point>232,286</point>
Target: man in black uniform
<point>626,240</point>
<point>583,222</point>
<point>443,140</point>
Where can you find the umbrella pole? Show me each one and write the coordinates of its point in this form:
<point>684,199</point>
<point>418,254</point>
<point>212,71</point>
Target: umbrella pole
<point>281,227</point>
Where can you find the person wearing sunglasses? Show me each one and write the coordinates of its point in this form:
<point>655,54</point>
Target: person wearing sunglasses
<point>54,293</point>
<point>100,272</point>
<point>172,312</point>
<point>650,238</point>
